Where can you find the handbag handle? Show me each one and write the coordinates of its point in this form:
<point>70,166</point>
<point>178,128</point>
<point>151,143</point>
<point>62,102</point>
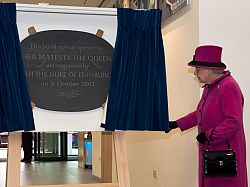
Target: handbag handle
<point>229,147</point>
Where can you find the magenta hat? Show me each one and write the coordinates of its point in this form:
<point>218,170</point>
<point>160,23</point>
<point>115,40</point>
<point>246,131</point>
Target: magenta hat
<point>208,56</point>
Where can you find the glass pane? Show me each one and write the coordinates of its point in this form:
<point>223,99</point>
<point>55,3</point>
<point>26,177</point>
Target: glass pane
<point>49,145</point>
<point>72,144</point>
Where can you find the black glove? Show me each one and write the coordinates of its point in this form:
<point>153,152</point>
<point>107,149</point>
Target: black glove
<point>172,125</point>
<point>202,138</point>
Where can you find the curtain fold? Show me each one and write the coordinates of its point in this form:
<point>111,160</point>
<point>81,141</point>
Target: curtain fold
<point>138,93</point>
<point>15,108</point>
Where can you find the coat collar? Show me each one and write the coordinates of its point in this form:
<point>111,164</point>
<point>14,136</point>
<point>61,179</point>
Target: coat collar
<point>225,74</point>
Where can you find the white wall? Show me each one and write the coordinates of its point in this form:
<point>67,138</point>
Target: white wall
<point>226,23</point>
<point>175,155</point>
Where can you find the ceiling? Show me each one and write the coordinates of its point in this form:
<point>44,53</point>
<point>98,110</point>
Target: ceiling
<point>83,3</point>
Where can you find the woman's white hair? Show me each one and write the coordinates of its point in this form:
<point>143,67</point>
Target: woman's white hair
<point>217,71</point>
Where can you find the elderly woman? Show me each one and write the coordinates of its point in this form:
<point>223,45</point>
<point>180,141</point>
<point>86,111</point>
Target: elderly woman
<point>219,112</point>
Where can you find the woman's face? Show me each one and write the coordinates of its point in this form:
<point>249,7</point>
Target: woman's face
<point>203,75</point>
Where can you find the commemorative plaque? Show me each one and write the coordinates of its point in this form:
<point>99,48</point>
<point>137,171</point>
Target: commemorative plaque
<point>67,70</point>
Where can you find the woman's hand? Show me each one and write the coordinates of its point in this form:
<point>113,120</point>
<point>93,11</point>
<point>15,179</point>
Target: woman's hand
<point>202,138</point>
<point>172,125</point>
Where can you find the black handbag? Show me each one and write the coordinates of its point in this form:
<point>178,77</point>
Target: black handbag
<point>219,163</point>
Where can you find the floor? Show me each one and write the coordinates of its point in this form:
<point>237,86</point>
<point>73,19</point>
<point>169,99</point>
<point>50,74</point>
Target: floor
<point>48,172</point>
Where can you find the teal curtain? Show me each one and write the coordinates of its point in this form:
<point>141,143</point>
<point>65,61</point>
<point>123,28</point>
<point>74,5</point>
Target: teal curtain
<point>138,93</point>
<point>15,108</point>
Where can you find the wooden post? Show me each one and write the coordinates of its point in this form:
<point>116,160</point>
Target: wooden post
<point>106,157</point>
<point>13,159</point>
<point>81,155</point>
<point>121,159</point>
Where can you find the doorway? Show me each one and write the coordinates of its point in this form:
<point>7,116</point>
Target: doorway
<point>59,146</point>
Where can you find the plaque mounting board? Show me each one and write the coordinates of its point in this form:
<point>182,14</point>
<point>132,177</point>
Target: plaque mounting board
<point>87,20</point>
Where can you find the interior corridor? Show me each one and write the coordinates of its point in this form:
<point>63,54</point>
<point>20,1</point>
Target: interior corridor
<point>41,173</point>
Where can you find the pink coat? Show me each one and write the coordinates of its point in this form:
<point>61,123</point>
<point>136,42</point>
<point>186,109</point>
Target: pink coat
<point>221,106</point>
